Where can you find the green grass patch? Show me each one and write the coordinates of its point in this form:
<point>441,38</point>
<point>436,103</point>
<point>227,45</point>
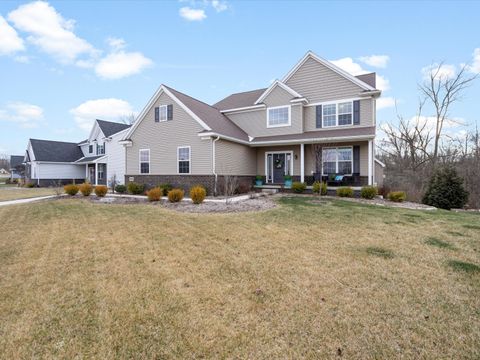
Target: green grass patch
<point>471,226</point>
<point>455,233</point>
<point>464,266</point>
<point>438,243</point>
<point>380,252</point>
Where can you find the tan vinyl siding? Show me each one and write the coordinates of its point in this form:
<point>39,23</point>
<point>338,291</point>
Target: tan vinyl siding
<point>318,83</point>
<point>366,114</point>
<point>163,138</point>
<point>278,97</point>
<point>254,123</point>
<point>234,159</point>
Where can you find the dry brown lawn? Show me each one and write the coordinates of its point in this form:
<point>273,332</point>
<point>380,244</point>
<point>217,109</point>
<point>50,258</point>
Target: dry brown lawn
<point>14,193</point>
<point>308,279</point>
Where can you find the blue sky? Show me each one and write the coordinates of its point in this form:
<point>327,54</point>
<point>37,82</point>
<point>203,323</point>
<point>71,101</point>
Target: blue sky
<point>64,63</point>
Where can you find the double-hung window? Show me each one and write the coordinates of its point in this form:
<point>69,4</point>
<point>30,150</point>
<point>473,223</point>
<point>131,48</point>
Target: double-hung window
<point>183,156</point>
<point>100,149</point>
<point>338,114</point>
<point>162,113</point>
<point>337,160</point>
<point>90,149</point>
<point>278,116</point>
<point>144,161</point>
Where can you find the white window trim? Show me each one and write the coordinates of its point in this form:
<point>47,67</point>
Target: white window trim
<point>336,159</point>
<point>289,152</point>
<point>140,161</point>
<point>279,107</point>
<point>189,159</point>
<point>166,113</point>
<point>336,113</point>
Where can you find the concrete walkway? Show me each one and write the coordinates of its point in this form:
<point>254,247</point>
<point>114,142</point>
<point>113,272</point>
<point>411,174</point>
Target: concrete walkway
<point>23,201</point>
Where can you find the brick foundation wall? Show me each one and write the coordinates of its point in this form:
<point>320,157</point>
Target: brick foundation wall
<point>185,182</point>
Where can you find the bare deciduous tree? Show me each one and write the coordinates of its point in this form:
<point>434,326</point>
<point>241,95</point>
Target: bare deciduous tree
<point>128,119</point>
<point>443,91</point>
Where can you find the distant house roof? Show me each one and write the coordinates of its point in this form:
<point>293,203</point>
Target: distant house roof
<point>239,100</point>
<point>55,151</point>
<point>15,160</point>
<point>89,159</point>
<point>109,128</point>
<point>218,122</point>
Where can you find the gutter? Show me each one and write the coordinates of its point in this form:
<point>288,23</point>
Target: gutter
<point>213,165</point>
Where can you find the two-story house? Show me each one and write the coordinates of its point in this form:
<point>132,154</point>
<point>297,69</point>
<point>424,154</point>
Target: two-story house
<point>97,159</point>
<point>316,122</point>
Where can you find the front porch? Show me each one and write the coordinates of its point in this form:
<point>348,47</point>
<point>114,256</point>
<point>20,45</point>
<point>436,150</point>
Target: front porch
<point>95,169</point>
<point>338,164</point>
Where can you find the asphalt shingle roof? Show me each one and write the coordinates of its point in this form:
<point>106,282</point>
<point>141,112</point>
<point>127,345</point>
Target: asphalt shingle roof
<point>57,151</point>
<point>109,128</point>
<point>218,122</point>
<point>89,159</point>
<point>239,100</point>
<point>15,160</point>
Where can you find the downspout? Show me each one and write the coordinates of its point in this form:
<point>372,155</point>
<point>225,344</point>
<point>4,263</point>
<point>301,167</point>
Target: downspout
<point>213,165</point>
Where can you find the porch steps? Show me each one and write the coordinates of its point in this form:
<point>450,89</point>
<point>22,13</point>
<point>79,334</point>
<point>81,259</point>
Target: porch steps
<point>270,191</point>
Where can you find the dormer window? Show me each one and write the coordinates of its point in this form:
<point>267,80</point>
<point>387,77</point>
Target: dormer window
<point>278,116</point>
<point>90,149</point>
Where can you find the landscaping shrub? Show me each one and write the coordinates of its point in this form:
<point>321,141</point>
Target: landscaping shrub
<point>197,194</point>
<point>323,189</point>
<point>101,190</point>
<point>368,192</point>
<point>30,185</point>
<point>345,192</point>
<point>155,194</point>
<point>86,189</point>
<point>397,196</point>
<point>71,189</point>
<point>298,187</point>
<point>175,195</point>
<point>445,190</point>
<point>135,189</point>
<point>166,188</point>
<point>317,187</point>
<point>121,189</point>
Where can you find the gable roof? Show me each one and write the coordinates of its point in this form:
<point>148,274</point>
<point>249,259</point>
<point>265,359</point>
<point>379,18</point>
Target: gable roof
<point>15,160</point>
<point>55,151</point>
<point>273,86</point>
<point>210,118</point>
<point>109,127</point>
<point>239,100</point>
<point>370,78</point>
<point>331,66</point>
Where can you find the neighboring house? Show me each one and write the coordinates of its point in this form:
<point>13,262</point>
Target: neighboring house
<point>17,168</point>
<point>4,174</point>
<point>316,122</point>
<point>98,158</point>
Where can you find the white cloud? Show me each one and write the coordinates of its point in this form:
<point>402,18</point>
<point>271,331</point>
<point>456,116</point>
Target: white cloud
<point>219,6</point>
<point>475,67</point>
<point>49,31</point>
<point>116,43</point>
<point>385,102</point>
<point>440,71</point>
<point>121,64</point>
<point>10,42</point>
<point>192,14</point>
<point>108,109</point>
<point>379,61</point>
<point>22,59</point>
<point>355,69</point>
<point>24,114</point>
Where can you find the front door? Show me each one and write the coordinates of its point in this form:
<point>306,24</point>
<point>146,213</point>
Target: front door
<point>278,168</point>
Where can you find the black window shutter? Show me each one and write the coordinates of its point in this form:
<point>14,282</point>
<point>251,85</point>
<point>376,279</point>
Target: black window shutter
<point>318,116</point>
<point>356,160</point>
<point>356,112</point>
<point>169,112</point>
<point>157,115</point>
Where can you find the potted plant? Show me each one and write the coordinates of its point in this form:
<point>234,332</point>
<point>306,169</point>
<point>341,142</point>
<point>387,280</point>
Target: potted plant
<point>259,180</point>
<point>288,181</point>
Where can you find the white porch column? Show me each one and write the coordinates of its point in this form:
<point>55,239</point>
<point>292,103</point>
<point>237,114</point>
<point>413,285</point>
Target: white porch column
<point>302,162</point>
<point>86,172</point>
<point>96,173</point>
<point>370,162</point>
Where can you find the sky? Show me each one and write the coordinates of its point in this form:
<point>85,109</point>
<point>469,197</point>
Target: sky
<point>65,63</point>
